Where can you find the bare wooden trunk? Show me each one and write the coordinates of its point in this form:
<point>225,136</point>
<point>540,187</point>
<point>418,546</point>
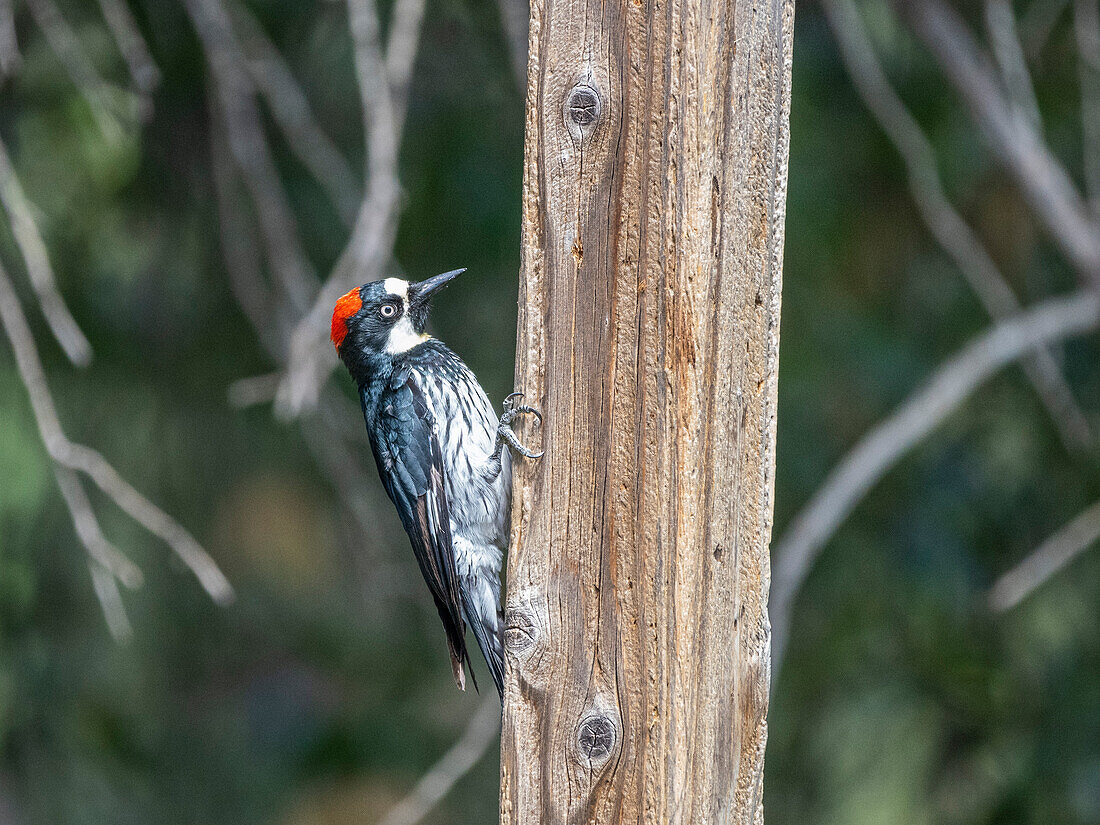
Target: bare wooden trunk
<point>653,207</point>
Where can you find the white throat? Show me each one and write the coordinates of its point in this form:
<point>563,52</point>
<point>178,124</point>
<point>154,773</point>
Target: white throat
<point>403,337</point>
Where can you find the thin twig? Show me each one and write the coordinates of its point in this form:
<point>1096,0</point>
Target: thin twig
<point>131,45</point>
<point>1037,24</point>
<point>250,150</point>
<point>1044,183</point>
<point>952,233</point>
<point>10,59</point>
<point>327,442</point>
<point>82,459</point>
<point>110,602</point>
<point>292,112</point>
<point>37,259</point>
<point>371,243</point>
<point>1000,22</point>
<point>401,50</point>
<point>241,251</point>
<point>102,97</point>
<point>952,383</point>
<point>454,764</point>
<point>253,390</point>
<point>107,556</point>
<point>1086,28</point>
<point>1046,560</point>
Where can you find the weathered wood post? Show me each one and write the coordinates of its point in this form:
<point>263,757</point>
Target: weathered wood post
<point>653,206</point>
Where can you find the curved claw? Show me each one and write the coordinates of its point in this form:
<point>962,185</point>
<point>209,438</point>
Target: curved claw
<point>505,433</point>
<point>523,408</point>
<point>508,400</point>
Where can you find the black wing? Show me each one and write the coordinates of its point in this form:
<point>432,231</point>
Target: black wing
<point>410,464</point>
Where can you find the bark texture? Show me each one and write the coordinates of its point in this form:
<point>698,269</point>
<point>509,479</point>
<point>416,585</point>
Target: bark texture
<point>653,206</point>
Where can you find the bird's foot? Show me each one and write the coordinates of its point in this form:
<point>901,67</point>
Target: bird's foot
<point>505,435</point>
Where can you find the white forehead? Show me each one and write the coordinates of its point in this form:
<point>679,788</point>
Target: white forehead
<point>396,287</point>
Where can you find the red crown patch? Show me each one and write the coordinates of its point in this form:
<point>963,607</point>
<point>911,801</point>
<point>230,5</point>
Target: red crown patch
<point>348,304</point>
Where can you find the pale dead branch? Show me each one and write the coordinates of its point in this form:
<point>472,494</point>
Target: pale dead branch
<point>1038,23</point>
<point>1000,22</point>
<point>941,394</point>
<point>103,99</point>
<point>10,59</point>
<point>478,737</point>
<point>292,113</point>
<point>371,244</point>
<point>241,251</point>
<point>37,260</point>
<point>110,602</point>
<point>1086,28</point>
<point>102,551</point>
<point>253,390</point>
<point>81,459</point>
<point>1046,560</point>
<point>401,50</point>
<point>251,152</point>
<point>952,233</point>
<point>325,431</point>
<point>1045,185</point>
<point>131,45</point>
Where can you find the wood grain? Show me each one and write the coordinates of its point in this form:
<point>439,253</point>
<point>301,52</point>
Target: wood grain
<point>653,208</point>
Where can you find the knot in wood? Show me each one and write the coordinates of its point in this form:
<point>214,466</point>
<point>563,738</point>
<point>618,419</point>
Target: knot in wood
<point>582,109</point>
<point>583,105</point>
<point>520,630</point>
<point>596,737</point>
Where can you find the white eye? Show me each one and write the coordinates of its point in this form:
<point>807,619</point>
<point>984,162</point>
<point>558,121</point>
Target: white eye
<point>388,310</point>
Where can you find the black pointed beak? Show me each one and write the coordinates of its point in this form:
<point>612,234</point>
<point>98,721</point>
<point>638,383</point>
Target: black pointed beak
<point>421,291</point>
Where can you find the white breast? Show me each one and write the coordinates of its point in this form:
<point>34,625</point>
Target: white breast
<point>465,425</point>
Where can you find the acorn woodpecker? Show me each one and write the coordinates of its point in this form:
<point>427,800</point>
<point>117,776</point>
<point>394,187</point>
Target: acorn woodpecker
<point>439,447</point>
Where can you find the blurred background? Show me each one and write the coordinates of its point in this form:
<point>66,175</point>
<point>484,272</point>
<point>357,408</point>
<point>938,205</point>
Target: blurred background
<point>182,176</point>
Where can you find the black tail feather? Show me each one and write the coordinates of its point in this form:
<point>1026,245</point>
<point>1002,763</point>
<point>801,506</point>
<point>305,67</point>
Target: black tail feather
<point>490,644</point>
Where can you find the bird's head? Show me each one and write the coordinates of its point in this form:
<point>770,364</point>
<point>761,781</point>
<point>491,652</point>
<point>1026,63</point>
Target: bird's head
<point>384,317</point>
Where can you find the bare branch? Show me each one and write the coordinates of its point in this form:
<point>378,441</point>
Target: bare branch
<point>1086,28</point>
<point>253,390</point>
<point>102,97</point>
<point>371,243</point>
<point>33,248</point>
<point>455,763</point>
<point>401,49</point>
<point>292,112</point>
<point>131,45</point>
<point>953,382</point>
<point>248,145</point>
<point>1000,22</point>
<point>106,555</point>
<point>1050,557</point>
<point>241,251</point>
<point>10,59</point>
<point>1038,23</point>
<point>110,602</point>
<point>322,431</point>
<point>952,233</point>
<point>1041,178</point>
<point>85,460</point>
